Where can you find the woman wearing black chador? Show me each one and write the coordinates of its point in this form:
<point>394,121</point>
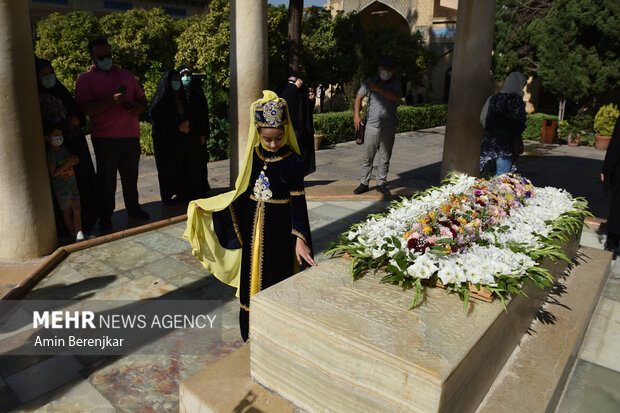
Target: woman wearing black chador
<point>180,120</point>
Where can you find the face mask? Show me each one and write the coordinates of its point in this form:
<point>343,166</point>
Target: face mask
<point>105,64</point>
<point>57,140</point>
<point>176,85</point>
<point>48,81</point>
<point>385,75</point>
<point>187,80</point>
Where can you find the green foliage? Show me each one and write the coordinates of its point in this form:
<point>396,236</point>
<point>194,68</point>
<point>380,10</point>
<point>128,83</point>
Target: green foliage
<point>205,44</point>
<point>512,47</point>
<point>335,127</point>
<point>605,120</point>
<point>534,125</point>
<point>146,139</point>
<point>338,127</point>
<point>330,46</point>
<point>63,40</point>
<point>143,42</point>
<point>571,45</point>
<point>277,26</point>
<point>413,60</point>
<point>140,36</point>
<point>576,47</point>
<point>420,117</point>
<point>218,144</point>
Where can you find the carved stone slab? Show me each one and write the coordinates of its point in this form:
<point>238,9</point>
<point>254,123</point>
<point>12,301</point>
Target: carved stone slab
<point>329,344</point>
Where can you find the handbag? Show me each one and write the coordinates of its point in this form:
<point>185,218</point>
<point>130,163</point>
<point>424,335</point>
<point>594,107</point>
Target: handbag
<point>359,134</point>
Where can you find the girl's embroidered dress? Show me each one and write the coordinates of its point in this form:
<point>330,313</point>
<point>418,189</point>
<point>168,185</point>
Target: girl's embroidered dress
<point>249,242</point>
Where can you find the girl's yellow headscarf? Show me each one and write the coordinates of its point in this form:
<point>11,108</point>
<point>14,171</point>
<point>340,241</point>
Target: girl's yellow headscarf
<point>225,263</point>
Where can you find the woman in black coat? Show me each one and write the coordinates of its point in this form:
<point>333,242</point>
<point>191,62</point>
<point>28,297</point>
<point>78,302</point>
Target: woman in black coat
<point>611,181</point>
<point>179,116</point>
<point>59,107</point>
<point>195,156</point>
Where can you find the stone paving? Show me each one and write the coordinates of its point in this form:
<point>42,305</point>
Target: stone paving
<point>153,264</point>
<point>158,263</point>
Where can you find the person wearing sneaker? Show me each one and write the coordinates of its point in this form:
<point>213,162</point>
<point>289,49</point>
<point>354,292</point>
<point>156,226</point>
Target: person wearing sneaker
<point>113,99</point>
<point>60,164</point>
<point>384,92</point>
<point>611,182</point>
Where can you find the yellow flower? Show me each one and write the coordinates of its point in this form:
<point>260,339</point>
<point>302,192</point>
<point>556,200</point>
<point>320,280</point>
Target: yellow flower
<point>462,220</point>
<point>427,230</point>
<point>407,234</point>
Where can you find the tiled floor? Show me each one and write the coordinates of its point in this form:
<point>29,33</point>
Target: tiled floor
<point>153,264</point>
<point>594,385</point>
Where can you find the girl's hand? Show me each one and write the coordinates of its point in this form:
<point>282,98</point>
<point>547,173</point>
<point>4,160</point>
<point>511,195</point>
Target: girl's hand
<point>184,127</point>
<point>302,251</point>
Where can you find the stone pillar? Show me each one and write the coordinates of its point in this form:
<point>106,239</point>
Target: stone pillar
<point>470,86</point>
<point>248,71</point>
<point>27,228</point>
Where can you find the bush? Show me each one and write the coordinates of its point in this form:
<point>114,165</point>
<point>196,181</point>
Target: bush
<point>534,125</point>
<point>218,144</point>
<point>337,127</point>
<point>146,139</point>
<point>605,120</point>
<point>420,117</point>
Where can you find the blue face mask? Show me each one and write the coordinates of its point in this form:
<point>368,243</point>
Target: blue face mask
<point>48,81</point>
<point>105,64</point>
<point>176,85</point>
<point>187,80</point>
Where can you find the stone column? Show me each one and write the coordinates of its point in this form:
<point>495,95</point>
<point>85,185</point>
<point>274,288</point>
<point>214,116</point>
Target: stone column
<point>470,86</point>
<point>27,227</point>
<point>248,72</point>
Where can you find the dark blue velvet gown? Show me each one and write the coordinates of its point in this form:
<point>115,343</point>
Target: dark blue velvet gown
<point>266,229</point>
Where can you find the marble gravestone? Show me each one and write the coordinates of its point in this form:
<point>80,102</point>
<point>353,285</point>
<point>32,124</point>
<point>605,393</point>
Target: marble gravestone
<point>327,343</point>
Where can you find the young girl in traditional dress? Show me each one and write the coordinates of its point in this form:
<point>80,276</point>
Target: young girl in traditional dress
<point>258,234</point>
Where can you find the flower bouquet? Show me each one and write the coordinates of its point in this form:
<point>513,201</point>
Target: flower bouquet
<point>472,236</point>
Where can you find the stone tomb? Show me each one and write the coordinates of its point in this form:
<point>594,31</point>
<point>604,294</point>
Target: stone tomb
<point>327,343</point>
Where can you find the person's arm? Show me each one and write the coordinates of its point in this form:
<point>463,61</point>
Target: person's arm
<point>55,172</point>
<point>95,107</point>
<point>356,112</point>
<point>484,112</point>
<point>140,105</point>
<point>300,224</point>
<point>388,94</point>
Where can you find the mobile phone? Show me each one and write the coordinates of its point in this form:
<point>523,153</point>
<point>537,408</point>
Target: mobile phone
<point>122,89</point>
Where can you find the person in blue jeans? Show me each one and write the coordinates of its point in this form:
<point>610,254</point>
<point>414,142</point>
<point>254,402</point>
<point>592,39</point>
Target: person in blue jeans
<point>503,118</point>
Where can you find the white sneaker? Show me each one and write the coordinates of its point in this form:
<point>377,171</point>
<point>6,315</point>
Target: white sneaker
<point>80,236</point>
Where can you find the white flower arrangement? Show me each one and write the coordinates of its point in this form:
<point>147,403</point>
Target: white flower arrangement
<point>491,234</point>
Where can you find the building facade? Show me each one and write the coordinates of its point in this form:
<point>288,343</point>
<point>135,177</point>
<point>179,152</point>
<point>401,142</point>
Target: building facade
<point>176,8</point>
<point>435,20</point>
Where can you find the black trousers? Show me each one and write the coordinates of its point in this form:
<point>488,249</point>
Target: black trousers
<point>122,155</point>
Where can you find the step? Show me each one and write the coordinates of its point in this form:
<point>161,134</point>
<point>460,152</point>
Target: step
<point>327,343</point>
<point>225,386</point>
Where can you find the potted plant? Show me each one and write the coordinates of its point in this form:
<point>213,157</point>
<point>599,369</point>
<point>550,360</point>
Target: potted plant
<point>568,132</point>
<point>604,123</point>
<point>574,129</point>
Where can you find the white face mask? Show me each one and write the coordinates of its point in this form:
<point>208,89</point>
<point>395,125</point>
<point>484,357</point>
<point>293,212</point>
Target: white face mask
<point>385,75</point>
<point>57,140</point>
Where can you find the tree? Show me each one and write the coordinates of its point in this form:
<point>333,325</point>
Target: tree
<point>577,47</point>
<point>571,45</point>
<point>205,44</point>
<point>63,40</point>
<point>512,46</point>
<point>295,10</point>
<point>143,42</point>
<point>277,21</point>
